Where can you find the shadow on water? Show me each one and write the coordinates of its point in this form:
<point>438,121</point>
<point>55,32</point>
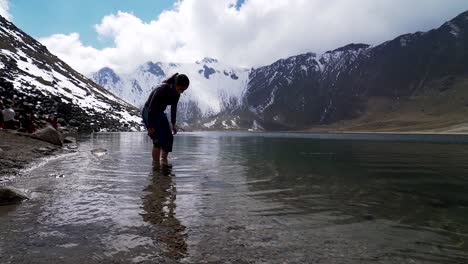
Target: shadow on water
<point>159,205</point>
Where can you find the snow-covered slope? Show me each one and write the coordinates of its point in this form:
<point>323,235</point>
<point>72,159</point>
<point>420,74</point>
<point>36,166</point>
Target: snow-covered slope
<point>31,76</point>
<point>213,86</point>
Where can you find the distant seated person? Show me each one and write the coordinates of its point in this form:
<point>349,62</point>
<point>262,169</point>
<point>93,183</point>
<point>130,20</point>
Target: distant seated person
<point>1,114</point>
<point>54,122</point>
<point>9,121</point>
<point>27,122</point>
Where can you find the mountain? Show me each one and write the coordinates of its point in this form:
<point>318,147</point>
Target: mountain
<point>414,82</point>
<point>213,86</point>
<point>35,80</point>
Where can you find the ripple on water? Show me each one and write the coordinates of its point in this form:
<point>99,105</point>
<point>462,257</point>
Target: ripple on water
<point>244,198</point>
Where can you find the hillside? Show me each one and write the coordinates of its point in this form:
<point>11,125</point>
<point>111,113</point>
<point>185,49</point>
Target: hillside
<point>36,80</point>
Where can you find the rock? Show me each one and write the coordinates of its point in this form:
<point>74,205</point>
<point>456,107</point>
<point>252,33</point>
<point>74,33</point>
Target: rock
<point>73,122</point>
<point>69,140</point>
<point>10,196</point>
<point>50,135</point>
<point>99,152</point>
<point>43,149</point>
<point>368,217</point>
<point>61,121</point>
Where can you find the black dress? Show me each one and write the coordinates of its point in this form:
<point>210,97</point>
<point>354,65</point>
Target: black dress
<point>154,116</point>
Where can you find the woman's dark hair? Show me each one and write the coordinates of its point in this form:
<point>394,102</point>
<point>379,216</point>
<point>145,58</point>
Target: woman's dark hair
<point>179,79</point>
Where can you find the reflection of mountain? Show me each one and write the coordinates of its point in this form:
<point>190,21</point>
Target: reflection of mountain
<point>159,205</point>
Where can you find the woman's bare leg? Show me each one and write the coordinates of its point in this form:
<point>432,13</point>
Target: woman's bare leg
<point>164,156</point>
<point>156,154</point>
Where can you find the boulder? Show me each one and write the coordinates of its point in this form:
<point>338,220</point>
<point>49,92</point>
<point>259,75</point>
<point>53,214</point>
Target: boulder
<point>50,135</point>
<point>69,140</point>
<point>99,152</point>
<point>10,196</point>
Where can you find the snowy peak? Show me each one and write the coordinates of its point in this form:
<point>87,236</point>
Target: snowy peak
<point>207,71</point>
<point>153,68</point>
<point>214,86</point>
<point>106,76</point>
<point>456,26</point>
<point>207,60</point>
<point>350,47</point>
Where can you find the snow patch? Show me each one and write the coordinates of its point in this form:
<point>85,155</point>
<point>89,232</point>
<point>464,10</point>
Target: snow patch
<point>256,126</point>
<point>262,108</point>
<point>210,124</point>
<point>454,29</point>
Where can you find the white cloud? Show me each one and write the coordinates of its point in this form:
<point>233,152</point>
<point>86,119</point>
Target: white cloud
<point>260,32</point>
<point>4,9</point>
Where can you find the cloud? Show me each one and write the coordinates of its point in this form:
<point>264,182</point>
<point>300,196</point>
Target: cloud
<point>257,33</point>
<point>4,9</point>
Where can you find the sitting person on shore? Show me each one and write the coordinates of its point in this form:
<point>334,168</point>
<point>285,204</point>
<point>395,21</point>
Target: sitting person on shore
<point>28,122</point>
<point>1,114</point>
<point>54,122</point>
<point>9,121</point>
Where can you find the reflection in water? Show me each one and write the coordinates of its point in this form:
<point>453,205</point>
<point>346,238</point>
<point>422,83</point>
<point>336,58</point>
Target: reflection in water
<point>159,205</point>
<point>418,187</point>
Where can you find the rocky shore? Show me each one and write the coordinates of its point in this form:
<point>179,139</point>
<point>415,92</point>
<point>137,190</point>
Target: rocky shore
<point>17,150</point>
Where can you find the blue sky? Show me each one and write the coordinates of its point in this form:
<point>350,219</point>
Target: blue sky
<point>41,18</point>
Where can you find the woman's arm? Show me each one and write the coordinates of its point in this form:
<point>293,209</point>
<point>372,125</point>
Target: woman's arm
<point>174,116</point>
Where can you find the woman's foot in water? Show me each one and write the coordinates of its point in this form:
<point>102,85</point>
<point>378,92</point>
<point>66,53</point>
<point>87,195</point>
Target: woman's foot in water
<point>156,165</point>
<point>165,163</point>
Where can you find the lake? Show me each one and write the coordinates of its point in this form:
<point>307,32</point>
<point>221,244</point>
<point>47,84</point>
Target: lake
<point>235,197</point>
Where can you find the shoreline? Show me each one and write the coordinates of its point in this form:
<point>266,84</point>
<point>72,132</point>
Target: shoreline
<point>339,132</point>
<point>19,151</point>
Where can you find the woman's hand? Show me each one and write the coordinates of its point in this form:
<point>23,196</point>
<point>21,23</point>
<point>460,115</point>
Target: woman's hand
<point>174,130</point>
<point>151,132</point>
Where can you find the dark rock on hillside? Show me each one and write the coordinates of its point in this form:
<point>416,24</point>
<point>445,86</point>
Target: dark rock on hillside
<point>155,69</point>
<point>207,71</point>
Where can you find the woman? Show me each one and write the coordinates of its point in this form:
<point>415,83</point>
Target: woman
<point>155,120</point>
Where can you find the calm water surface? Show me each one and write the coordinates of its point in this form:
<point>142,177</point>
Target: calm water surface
<point>244,198</point>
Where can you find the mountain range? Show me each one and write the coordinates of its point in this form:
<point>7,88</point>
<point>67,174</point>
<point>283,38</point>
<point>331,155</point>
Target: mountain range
<point>213,86</point>
<point>415,82</point>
